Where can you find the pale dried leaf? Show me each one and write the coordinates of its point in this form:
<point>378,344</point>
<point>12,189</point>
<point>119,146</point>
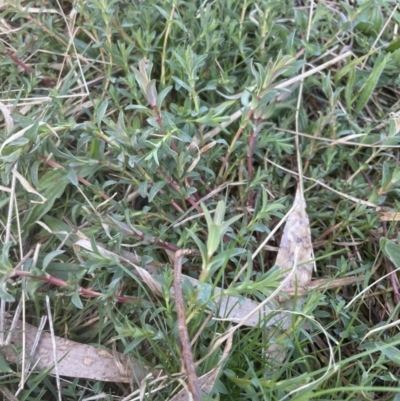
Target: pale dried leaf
<point>396,118</point>
<point>15,136</point>
<point>345,139</point>
<point>296,244</point>
<point>295,252</point>
<point>74,359</point>
<point>389,216</point>
<point>28,187</point>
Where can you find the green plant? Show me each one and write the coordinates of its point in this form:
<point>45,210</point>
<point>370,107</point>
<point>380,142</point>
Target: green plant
<point>148,127</point>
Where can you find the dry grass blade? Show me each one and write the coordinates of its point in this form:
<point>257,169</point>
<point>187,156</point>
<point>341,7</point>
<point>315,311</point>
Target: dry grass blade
<point>54,346</point>
<point>346,196</point>
<point>7,394</point>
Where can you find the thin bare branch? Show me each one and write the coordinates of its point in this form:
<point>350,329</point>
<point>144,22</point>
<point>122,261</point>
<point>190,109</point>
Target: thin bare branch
<point>187,355</point>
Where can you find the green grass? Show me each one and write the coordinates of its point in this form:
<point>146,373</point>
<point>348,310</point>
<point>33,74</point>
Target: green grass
<point>119,114</point>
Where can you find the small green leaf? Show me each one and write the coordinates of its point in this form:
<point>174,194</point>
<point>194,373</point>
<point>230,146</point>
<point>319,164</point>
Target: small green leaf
<point>162,95</point>
<point>48,258</point>
<point>207,215</point>
<point>213,239</point>
<point>162,11</point>
<point>224,226</point>
<point>392,251</point>
<point>224,256</point>
<point>219,213</point>
<point>199,244</point>
<point>72,177</point>
<point>5,264</point>
<point>95,149</point>
<point>76,300</point>
<point>181,83</point>
<point>385,175</point>
<point>370,84</point>
<point>395,175</point>
<point>204,293</point>
<point>155,189</point>
<point>349,90</point>
<point>4,367</point>
<point>137,107</point>
<point>350,66</point>
<point>101,111</point>
<point>143,189</point>
<point>394,45</point>
<point>392,353</point>
<point>4,295</point>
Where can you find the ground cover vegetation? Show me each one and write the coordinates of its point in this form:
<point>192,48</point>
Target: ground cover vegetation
<point>146,127</point>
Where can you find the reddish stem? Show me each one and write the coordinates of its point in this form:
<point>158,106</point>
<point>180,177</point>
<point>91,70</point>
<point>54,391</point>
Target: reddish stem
<point>187,354</point>
<point>49,82</point>
<point>176,187</point>
<point>61,283</point>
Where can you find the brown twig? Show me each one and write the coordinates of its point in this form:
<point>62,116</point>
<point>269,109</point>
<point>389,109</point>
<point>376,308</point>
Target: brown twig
<point>187,355</point>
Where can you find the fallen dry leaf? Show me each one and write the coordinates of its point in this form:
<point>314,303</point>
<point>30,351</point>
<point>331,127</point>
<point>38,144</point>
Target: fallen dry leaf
<point>74,359</point>
<point>389,216</point>
<point>295,252</point>
<point>296,245</point>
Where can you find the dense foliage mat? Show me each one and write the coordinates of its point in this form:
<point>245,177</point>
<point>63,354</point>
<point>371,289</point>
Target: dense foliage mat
<point>150,126</point>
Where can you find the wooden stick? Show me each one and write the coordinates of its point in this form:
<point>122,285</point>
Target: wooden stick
<point>187,355</point>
